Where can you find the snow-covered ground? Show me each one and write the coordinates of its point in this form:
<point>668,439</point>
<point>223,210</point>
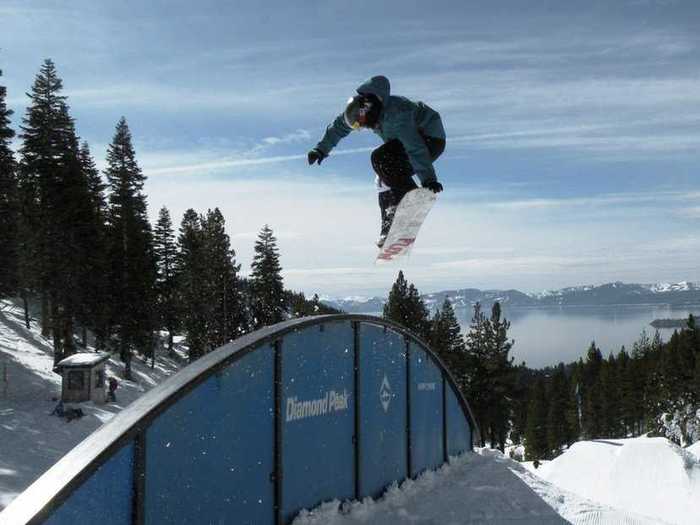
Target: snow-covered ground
<point>695,449</point>
<point>31,440</point>
<point>649,476</point>
<point>480,487</point>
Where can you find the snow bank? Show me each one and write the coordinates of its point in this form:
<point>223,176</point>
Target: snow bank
<point>32,440</point>
<point>649,476</point>
<point>480,487</point>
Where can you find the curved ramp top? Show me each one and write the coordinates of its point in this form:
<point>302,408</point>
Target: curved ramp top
<point>312,409</point>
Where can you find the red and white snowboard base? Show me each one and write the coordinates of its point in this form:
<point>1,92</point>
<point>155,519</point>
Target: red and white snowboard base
<point>409,217</point>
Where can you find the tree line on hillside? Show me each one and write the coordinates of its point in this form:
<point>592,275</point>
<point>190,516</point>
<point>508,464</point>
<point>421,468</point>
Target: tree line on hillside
<point>79,243</point>
<point>654,390</point>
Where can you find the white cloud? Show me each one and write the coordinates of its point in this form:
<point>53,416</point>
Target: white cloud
<point>300,135</point>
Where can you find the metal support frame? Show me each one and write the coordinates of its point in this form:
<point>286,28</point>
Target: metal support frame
<point>356,399</point>
<point>409,460</point>
<point>445,450</point>
<point>139,494</point>
<point>278,474</point>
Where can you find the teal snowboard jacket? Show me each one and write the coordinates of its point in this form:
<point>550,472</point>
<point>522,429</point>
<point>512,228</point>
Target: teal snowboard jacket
<point>400,119</point>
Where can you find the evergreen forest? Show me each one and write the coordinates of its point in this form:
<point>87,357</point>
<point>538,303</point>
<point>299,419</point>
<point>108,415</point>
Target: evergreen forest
<point>79,251</point>
<point>652,389</point>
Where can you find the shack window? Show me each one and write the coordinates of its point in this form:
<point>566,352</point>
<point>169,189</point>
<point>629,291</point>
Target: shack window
<point>76,380</point>
<point>99,378</point>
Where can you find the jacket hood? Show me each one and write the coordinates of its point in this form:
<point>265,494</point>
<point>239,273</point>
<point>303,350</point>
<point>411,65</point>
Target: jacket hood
<point>378,86</point>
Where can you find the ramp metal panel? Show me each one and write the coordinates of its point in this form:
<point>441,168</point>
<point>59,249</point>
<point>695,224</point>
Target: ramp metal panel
<point>311,409</point>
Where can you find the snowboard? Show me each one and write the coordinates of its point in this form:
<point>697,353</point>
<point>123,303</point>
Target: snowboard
<point>409,217</point>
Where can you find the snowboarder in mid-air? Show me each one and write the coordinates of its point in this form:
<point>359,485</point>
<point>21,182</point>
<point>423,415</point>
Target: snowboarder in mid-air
<point>413,136</point>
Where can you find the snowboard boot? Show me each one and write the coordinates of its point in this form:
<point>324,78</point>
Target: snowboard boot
<point>387,206</point>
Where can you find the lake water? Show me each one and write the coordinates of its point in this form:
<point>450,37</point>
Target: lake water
<point>546,336</point>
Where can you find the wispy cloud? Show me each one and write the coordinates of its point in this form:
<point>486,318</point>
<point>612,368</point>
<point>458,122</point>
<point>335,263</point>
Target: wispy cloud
<point>170,164</point>
<point>659,198</point>
<point>520,264</point>
<point>300,135</point>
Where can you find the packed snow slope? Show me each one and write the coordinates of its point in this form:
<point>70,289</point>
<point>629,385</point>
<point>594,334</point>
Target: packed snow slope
<point>32,440</point>
<point>649,476</point>
<point>483,487</point>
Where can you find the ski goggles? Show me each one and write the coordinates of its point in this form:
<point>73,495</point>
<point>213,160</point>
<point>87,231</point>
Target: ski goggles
<point>357,111</point>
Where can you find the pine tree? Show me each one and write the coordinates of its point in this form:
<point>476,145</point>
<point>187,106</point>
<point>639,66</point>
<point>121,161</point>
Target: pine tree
<point>628,394</point>
<point>9,204</point>
<point>133,273</point>
<point>227,314</point>
<point>671,368</point>
<point>501,374</point>
<point>72,247</point>
<point>592,394</point>
<point>611,418</point>
<point>523,379</point>
<point>536,447</point>
<point>266,287</point>
<point>93,295</point>
<point>165,251</point>
<point>192,294</point>
<point>574,412</point>
<point>53,194</point>
<point>477,381</point>
<point>446,339</point>
<point>47,132</point>
<point>558,432</point>
<point>395,306</point>
<point>644,381</point>
<point>405,306</point>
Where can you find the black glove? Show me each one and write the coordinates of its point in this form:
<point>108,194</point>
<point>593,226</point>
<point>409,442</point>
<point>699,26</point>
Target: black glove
<point>433,186</point>
<point>316,155</point>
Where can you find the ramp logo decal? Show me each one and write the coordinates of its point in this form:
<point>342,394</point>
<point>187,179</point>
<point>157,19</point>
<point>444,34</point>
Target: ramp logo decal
<point>329,403</point>
<point>385,394</point>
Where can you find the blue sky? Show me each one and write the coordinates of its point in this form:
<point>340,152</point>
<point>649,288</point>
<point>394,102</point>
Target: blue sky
<point>573,127</point>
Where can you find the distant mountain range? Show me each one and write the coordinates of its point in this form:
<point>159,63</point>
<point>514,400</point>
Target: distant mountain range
<point>617,293</point>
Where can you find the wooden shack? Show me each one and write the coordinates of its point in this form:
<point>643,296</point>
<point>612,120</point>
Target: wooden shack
<point>83,377</point>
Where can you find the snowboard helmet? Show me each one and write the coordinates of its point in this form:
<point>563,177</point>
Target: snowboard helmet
<point>362,111</point>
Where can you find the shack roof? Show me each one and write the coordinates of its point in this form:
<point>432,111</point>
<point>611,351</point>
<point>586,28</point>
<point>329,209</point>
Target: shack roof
<point>83,360</point>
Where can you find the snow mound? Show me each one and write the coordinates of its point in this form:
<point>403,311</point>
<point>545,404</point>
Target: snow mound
<point>649,476</point>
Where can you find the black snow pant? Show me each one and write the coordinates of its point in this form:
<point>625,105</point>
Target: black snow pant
<point>390,162</point>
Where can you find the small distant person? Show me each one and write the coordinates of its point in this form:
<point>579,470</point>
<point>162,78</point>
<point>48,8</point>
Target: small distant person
<point>59,409</point>
<point>413,136</point>
<point>113,384</point>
